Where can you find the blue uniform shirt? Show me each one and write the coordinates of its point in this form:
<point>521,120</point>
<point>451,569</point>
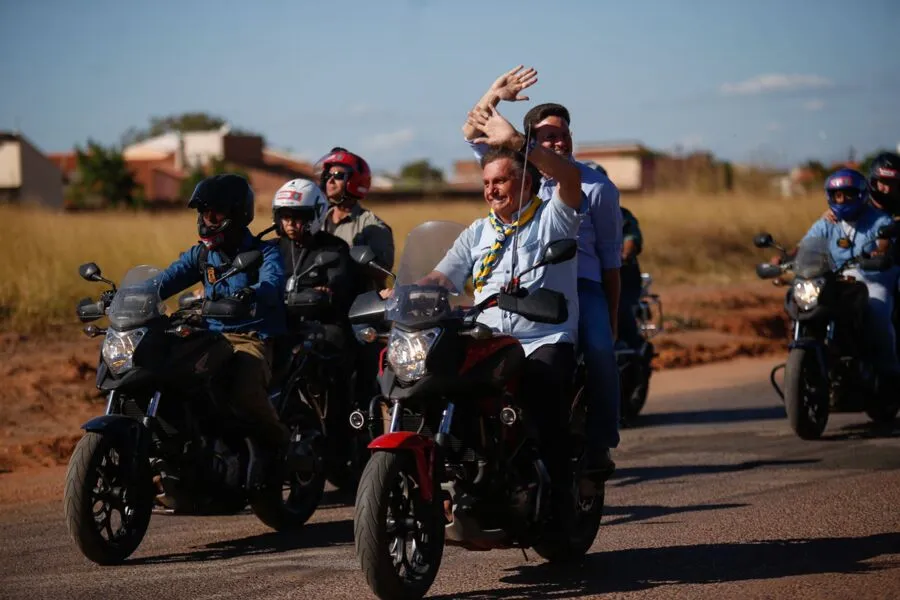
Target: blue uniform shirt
<point>270,313</point>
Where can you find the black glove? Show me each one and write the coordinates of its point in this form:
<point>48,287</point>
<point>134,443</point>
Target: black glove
<point>245,295</point>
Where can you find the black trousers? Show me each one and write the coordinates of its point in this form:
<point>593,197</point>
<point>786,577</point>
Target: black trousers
<point>546,395</point>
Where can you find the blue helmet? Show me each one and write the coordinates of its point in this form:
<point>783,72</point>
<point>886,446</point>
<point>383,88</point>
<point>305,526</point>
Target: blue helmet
<point>855,188</point>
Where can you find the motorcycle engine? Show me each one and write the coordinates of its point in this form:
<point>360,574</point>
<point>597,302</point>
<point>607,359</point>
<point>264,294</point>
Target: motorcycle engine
<point>226,465</point>
<point>528,489</point>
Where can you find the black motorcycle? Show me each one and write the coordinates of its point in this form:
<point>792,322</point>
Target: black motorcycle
<point>829,367</point>
<point>316,376</point>
<point>166,438</point>
<point>635,367</point>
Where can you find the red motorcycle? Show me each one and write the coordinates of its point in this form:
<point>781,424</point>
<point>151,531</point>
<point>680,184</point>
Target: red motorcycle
<point>460,464</point>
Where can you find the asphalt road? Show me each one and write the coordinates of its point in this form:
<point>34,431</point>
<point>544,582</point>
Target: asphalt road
<point>713,498</point>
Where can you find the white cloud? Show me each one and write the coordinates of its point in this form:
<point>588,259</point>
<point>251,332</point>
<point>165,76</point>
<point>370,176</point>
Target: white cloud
<point>389,141</point>
<point>775,82</point>
<point>814,104</point>
<point>773,127</point>
<point>360,110</point>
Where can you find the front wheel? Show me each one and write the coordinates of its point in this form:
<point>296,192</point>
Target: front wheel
<point>399,536</point>
<point>805,394</point>
<point>293,494</point>
<point>108,499</point>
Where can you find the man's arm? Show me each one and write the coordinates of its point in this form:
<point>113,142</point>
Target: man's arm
<point>499,132</point>
<point>270,287</point>
<point>341,283</point>
<point>380,238</point>
<point>455,268</point>
<point>608,223</point>
<point>182,273</point>
<point>505,87</point>
<point>612,287</point>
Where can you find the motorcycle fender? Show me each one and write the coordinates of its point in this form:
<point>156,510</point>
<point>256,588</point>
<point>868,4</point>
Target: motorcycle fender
<point>129,430</point>
<point>422,449</point>
<point>815,345</point>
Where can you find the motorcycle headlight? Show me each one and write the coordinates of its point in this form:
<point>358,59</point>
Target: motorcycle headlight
<point>407,351</point>
<point>806,293</point>
<point>118,348</point>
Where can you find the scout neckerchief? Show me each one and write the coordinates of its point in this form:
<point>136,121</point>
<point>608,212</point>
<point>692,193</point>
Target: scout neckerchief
<point>503,231</point>
<point>849,236</point>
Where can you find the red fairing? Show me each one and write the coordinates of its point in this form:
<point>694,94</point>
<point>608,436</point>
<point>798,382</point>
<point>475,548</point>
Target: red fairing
<point>419,445</point>
<point>381,361</point>
<point>479,350</point>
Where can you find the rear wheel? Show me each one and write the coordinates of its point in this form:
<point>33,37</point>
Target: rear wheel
<point>805,394</point>
<point>584,506</point>
<point>399,536</point>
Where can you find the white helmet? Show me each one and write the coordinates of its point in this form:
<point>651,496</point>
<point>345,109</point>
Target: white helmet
<point>301,195</point>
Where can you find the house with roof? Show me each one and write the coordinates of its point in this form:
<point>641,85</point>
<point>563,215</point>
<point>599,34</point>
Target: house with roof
<point>27,176</point>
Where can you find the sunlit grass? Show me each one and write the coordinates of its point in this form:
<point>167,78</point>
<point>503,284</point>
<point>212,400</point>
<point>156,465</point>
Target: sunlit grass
<point>697,239</point>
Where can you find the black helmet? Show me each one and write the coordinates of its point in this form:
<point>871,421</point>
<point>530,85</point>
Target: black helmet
<point>885,169</point>
<point>228,194</point>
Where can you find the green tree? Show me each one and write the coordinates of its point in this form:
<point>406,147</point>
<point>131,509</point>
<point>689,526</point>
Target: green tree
<point>103,178</point>
<point>198,174</point>
<point>421,173</point>
<point>184,122</point>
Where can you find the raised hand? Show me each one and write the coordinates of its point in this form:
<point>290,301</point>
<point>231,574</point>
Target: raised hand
<point>507,86</point>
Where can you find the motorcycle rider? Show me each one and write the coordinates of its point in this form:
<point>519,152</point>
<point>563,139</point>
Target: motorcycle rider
<point>345,179</point>
<point>599,257</point>
<point>483,251</point>
<point>298,211</point>
<point>225,207</point>
<point>630,274</point>
<point>853,232</point>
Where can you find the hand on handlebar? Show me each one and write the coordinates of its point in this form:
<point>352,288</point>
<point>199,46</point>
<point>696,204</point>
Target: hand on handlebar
<point>245,295</point>
<point>386,293</point>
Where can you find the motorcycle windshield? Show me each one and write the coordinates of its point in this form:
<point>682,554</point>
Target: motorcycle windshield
<point>813,258</point>
<point>137,300</point>
<point>414,304</point>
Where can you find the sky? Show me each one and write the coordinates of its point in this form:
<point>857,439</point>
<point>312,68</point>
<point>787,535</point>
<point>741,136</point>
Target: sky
<point>770,81</point>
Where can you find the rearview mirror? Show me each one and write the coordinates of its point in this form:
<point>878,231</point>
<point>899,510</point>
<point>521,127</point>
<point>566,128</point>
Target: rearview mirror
<point>768,271</point>
<point>90,271</point>
<point>362,254</point>
<point>326,259</point>
<point>763,240</point>
<point>246,261</point>
<point>558,251</point>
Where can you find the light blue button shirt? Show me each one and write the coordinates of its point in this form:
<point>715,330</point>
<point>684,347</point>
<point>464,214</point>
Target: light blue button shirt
<point>600,234</point>
<point>863,233</point>
<point>552,221</point>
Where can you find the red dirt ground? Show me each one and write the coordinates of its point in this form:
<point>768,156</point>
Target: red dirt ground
<point>47,388</point>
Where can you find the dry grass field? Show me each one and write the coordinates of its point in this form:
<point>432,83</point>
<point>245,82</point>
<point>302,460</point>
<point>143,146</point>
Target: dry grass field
<point>706,240</point>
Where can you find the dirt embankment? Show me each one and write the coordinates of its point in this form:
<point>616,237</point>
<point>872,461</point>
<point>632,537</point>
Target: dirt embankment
<point>47,388</point>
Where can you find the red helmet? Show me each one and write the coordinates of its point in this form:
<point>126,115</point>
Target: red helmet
<point>360,178</point>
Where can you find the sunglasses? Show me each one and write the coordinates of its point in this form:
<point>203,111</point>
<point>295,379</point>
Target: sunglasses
<point>337,175</point>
